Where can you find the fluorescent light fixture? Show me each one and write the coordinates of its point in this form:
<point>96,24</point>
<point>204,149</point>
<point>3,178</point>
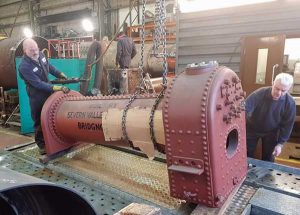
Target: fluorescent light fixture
<point>187,6</point>
<point>87,25</point>
<point>27,32</point>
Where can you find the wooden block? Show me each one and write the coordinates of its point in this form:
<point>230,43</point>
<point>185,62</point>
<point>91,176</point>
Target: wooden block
<point>290,151</point>
<point>288,162</point>
<point>139,209</point>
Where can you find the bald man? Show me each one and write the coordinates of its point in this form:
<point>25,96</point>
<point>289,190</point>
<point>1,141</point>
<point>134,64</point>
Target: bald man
<point>270,117</point>
<point>34,69</point>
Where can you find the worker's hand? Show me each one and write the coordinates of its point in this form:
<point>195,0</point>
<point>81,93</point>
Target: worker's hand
<point>63,76</point>
<point>61,88</point>
<point>277,150</point>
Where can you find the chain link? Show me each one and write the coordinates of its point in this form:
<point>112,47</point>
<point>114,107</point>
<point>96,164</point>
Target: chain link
<point>141,86</point>
<point>163,42</point>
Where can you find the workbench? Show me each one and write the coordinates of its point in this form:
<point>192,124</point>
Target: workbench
<point>110,179</point>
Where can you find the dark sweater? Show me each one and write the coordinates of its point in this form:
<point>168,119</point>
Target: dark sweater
<point>126,50</point>
<point>265,115</point>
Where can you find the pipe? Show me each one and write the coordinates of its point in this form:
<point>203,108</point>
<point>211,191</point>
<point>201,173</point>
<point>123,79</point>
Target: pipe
<point>15,187</point>
<point>152,64</point>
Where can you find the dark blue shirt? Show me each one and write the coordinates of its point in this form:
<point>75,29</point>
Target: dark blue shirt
<point>265,115</point>
<point>35,75</point>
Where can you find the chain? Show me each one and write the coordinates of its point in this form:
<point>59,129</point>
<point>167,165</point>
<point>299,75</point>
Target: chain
<point>165,66</point>
<point>141,78</point>
<point>157,30</point>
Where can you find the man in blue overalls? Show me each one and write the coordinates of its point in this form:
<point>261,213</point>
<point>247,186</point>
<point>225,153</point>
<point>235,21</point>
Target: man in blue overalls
<point>34,69</point>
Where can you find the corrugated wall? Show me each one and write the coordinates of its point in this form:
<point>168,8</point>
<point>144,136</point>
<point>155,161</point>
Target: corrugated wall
<point>217,34</point>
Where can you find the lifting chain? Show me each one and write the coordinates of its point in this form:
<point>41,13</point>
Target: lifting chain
<point>142,84</point>
<point>163,41</point>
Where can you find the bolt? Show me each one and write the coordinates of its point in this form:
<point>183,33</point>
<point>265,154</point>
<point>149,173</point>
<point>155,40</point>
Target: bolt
<point>226,81</point>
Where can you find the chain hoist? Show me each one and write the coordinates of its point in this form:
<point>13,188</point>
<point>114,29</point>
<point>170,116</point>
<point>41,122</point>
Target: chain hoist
<point>141,86</point>
<point>163,41</point>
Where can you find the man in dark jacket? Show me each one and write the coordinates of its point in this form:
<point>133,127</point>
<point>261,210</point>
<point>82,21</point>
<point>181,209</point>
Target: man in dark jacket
<point>34,69</point>
<point>270,116</point>
<point>125,51</point>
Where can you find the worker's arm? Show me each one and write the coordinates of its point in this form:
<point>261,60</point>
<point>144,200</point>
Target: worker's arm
<point>133,53</point>
<point>119,52</point>
<point>286,127</point>
<point>251,103</point>
<point>27,73</point>
<point>53,71</point>
<point>287,123</point>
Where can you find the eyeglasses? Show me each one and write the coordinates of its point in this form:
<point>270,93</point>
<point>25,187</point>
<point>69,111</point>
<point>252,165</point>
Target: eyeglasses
<point>33,50</point>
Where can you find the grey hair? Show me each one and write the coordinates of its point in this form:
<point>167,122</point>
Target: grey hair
<point>285,79</point>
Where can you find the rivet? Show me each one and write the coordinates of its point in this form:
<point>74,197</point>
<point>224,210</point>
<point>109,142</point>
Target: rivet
<point>193,152</point>
<point>219,107</point>
<point>204,98</point>
<point>179,141</point>
<point>203,131</point>
<point>197,132</point>
<point>188,132</point>
<point>204,143</point>
<point>173,131</point>
<point>204,138</point>
<point>180,131</point>
<point>192,141</point>
<point>167,130</point>
<point>187,163</point>
<point>180,150</point>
